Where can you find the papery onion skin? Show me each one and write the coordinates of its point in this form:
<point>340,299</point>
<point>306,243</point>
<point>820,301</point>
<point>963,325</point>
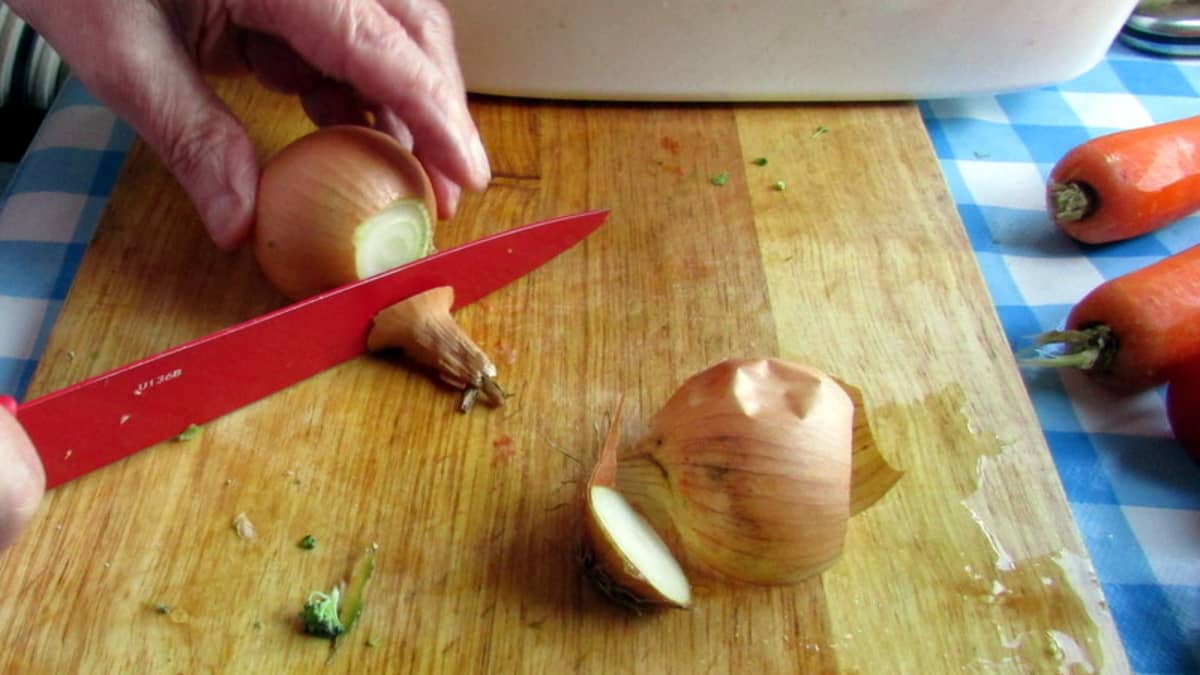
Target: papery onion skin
<point>604,563</point>
<point>745,472</point>
<point>316,191</point>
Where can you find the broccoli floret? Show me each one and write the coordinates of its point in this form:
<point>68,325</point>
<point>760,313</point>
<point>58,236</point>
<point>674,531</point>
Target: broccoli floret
<point>320,614</point>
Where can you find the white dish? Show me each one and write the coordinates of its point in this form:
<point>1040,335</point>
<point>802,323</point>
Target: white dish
<point>785,50</point>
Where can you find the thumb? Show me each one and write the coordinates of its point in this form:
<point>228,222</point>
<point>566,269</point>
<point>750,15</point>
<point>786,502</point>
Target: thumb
<point>22,479</point>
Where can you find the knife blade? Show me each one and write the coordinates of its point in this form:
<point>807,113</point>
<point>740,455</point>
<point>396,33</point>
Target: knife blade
<point>105,418</point>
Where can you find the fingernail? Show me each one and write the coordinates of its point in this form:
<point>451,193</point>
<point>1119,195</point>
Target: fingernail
<point>230,213</point>
<point>480,166</point>
<point>225,217</point>
<point>449,203</point>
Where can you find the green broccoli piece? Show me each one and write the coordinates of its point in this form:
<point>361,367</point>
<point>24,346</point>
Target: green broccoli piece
<point>192,431</point>
<point>320,614</point>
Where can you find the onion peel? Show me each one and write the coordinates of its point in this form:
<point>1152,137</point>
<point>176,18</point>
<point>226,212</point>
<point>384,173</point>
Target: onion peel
<point>745,471</point>
<point>749,473</point>
<point>730,447</point>
<point>871,477</point>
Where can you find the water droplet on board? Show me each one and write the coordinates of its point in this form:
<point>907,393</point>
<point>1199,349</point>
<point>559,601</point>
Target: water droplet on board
<point>1045,604</point>
<point>1042,600</point>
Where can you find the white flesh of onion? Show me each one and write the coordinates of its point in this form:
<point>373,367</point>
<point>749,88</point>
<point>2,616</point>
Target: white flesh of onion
<point>640,544</point>
<point>396,235</point>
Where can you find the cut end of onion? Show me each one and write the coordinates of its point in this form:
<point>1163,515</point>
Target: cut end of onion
<point>423,328</point>
<point>626,558</point>
<point>398,234</point>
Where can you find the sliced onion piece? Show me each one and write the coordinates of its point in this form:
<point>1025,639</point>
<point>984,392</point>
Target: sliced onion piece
<point>623,555</point>
<point>629,561</point>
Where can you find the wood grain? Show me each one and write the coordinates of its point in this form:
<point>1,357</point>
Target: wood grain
<point>860,266</point>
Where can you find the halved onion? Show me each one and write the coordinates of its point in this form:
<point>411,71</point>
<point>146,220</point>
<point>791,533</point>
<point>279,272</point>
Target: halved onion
<point>746,471</point>
<point>748,474</point>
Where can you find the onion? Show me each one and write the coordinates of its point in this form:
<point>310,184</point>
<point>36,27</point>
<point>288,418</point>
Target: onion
<point>347,202</point>
<point>745,473</point>
<point>423,328</point>
<point>338,205</point>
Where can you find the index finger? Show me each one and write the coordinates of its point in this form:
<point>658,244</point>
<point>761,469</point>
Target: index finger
<point>428,23</point>
<point>362,44</point>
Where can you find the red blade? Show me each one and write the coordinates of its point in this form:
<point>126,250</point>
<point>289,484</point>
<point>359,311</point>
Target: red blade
<point>110,416</point>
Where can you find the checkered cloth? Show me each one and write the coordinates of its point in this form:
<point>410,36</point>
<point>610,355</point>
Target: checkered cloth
<point>1134,493</point>
<point>48,213</point>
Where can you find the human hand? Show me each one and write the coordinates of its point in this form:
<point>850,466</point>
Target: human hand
<point>392,60</point>
<point>22,479</point>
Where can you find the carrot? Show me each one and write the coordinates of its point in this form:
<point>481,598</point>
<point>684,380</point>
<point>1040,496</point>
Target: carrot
<point>1127,183</point>
<point>1183,407</point>
<point>1133,330</point>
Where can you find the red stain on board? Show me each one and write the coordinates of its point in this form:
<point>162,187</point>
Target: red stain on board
<point>503,450</point>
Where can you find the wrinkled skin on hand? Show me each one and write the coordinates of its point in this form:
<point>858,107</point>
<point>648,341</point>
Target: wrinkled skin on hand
<point>22,479</point>
<point>388,61</point>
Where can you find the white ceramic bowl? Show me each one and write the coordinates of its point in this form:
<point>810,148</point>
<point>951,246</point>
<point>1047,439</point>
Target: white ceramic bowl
<point>797,50</point>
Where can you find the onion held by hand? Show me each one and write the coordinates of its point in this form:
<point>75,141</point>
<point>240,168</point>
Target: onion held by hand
<point>338,205</point>
<point>345,203</point>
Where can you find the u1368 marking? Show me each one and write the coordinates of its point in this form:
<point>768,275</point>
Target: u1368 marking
<point>155,381</point>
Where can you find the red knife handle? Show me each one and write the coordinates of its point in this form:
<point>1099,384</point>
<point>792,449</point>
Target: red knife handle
<point>9,403</point>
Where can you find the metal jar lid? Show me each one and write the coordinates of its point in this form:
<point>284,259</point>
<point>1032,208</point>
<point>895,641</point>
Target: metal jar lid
<point>1167,27</point>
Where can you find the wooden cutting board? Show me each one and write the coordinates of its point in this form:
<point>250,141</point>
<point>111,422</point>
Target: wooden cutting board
<point>860,267</point>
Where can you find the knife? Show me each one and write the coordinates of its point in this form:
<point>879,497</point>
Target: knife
<point>110,416</point>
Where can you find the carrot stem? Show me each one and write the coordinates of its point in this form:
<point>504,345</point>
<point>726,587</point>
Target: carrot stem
<point>1083,349</point>
<point>1072,201</point>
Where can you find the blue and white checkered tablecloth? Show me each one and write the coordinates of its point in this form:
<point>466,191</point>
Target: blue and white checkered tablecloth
<point>1134,493</point>
<point>48,212</point>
